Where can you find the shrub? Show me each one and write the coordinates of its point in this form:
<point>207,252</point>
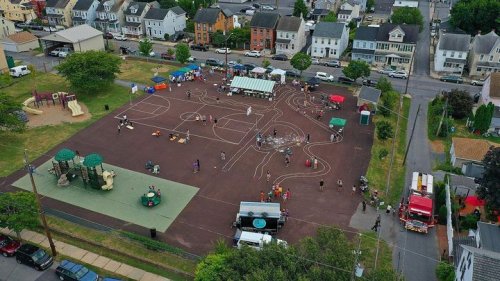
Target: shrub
<point>468,222</point>
<point>384,130</point>
<point>445,272</point>
<point>382,153</point>
<point>442,214</point>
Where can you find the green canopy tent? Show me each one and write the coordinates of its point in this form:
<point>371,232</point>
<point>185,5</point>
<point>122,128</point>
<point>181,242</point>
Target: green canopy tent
<point>62,157</point>
<point>89,173</point>
<point>337,122</point>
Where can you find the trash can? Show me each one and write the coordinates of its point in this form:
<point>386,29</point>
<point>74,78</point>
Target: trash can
<point>106,107</point>
<point>10,61</point>
<point>365,117</point>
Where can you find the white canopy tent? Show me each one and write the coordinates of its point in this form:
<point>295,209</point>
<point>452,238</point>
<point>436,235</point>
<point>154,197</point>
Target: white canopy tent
<point>281,73</point>
<point>259,70</point>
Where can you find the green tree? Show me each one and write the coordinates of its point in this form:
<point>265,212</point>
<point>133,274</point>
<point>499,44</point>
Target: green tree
<point>460,103</point>
<point>301,61</point>
<point>91,71</point>
<point>167,4</point>
<point>331,17</point>
<point>445,272</point>
<point>370,4</point>
<point>182,53</point>
<point>384,85</point>
<point>472,16</point>
<point>189,26</point>
<point>166,36</point>
<point>408,15</point>
<point>384,130</point>
<point>300,9</point>
<point>356,69</point>
<point>388,102</point>
<point>239,37</point>
<point>8,117</point>
<point>145,47</point>
<point>482,118</point>
<point>218,39</point>
<point>18,211</point>
<point>265,63</point>
<point>170,52</point>
<point>489,186</point>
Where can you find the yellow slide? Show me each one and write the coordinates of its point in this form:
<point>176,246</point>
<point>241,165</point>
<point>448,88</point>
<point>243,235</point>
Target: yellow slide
<point>108,178</point>
<point>75,108</point>
<point>29,109</point>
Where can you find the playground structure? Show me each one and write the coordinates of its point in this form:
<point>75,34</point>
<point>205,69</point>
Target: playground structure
<point>62,98</point>
<point>108,179</point>
<point>151,198</point>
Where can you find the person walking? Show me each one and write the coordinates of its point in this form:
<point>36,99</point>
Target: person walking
<point>332,137</point>
<point>315,163</point>
<point>249,111</point>
<point>288,194</point>
<point>275,133</point>
<point>215,122</point>
<point>308,138</point>
<point>353,189</point>
<point>377,224</point>
<point>388,209</point>
<point>268,175</point>
<point>188,94</point>
<point>321,185</point>
<point>195,167</point>
<point>364,206</point>
<point>287,160</point>
<point>339,185</point>
<point>210,118</point>
<point>204,119</point>
<point>262,199</point>
<point>188,138</point>
<point>222,156</point>
<point>198,164</point>
<point>119,128</point>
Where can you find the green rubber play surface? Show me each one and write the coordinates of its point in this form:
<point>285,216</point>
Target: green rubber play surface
<point>123,201</point>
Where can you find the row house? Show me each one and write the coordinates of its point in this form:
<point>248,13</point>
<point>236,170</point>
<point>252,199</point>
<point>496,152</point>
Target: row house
<point>329,40</point>
<point>17,10</point>
<point>134,18</point>
<point>110,15</point>
<point>290,35</point>
<point>263,31</point>
<point>85,12</point>
<point>7,28</point>
<point>210,20</point>
<point>364,44</point>
<point>451,53</point>
<point>349,10</point>
<point>484,55</point>
<point>159,22</point>
<point>395,45</point>
<point>59,12</point>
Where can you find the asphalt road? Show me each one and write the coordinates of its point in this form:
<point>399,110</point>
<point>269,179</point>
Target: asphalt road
<point>10,270</point>
<point>285,7</point>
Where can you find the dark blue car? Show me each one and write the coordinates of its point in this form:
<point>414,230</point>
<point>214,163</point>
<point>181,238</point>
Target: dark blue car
<point>68,270</point>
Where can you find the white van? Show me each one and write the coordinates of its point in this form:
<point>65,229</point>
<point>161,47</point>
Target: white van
<point>18,71</point>
<point>255,240</point>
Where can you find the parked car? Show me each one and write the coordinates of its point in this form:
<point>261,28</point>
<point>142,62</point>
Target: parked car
<point>108,35</point>
<point>332,63</point>
<point>8,246</point>
<point>244,10</point>
<point>214,62</point>
<point>270,69</point>
<point>49,29</point>
<point>315,61</point>
<point>121,37</point>
<point>385,70</point>
<point>167,56</point>
<point>292,73</point>
<point>34,256</point>
<point>191,59</point>
<point>199,47</point>
<point>452,79</point>
<point>177,36</point>
<point>398,74</point>
<point>56,51</point>
<point>255,54</point>
<point>324,76</point>
<point>268,8</point>
<point>231,63</point>
<point>126,50</point>
<point>65,53</point>
<point>223,50</point>
<point>346,80</point>
<point>18,71</point>
<point>68,270</point>
<point>281,57</point>
<point>370,82</point>
<point>249,66</point>
<point>250,12</point>
<point>479,82</point>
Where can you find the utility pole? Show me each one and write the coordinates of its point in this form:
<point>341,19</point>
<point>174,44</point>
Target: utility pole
<point>358,252</point>
<point>30,169</point>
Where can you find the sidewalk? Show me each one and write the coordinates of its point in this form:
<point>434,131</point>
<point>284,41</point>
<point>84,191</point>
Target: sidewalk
<point>87,257</point>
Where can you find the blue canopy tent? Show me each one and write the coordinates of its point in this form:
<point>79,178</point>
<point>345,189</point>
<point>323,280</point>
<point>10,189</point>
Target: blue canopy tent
<point>238,67</point>
<point>193,67</point>
<point>177,73</point>
<point>158,79</point>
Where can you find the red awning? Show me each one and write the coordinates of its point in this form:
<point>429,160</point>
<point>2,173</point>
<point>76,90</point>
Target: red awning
<point>420,205</point>
<point>474,201</point>
<point>337,98</point>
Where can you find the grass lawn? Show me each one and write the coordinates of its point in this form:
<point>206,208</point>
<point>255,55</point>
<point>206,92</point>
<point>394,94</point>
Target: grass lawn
<point>368,249</point>
<point>41,139</point>
<point>378,168</point>
<point>142,72</point>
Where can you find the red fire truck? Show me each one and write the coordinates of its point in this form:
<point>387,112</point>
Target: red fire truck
<point>416,212</point>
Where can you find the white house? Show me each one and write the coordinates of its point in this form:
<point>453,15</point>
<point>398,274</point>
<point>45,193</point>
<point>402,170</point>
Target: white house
<point>491,89</point>
<point>484,56</point>
<point>395,45</point>
<point>110,15</point>
<point>134,17</point>
<point>159,22</point>
<point>364,44</point>
<point>349,10</point>
<point>451,53</point>
<point>329,40</point>
<point>84,12</point>
<point>7,27</point>
<point>290,35</point>
<point>330,5</point>
<point>59,12</point>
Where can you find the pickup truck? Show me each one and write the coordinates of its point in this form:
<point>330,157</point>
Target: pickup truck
<point>199,47</point>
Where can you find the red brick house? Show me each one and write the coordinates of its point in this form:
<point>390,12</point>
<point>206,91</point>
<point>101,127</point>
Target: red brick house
<point>263,31</point>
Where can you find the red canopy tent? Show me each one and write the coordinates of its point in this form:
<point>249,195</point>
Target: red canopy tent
<point>474,201</point>
<point>337,98</point>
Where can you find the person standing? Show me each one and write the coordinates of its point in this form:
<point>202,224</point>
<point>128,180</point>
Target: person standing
<point>288,194</point>
<point>215,122</point>
<point>275,133</point>
<point>268,175</point>
<point>210,118</point>
<point>249,111</point>
<point>195,167</point>
<point>222,156</point>
<point>261,196</point>
<point>308,138</point>
<point>119,128</point>
<point>332,137</point>
<point>321,185</point>
<point>188,138</point>
<point>315,163</point>
<point>364,206</point>
<point>388,209</point>
<point>339,185</point>
<point>353,189</point>
<point>198,164</point>
<point>287,160</point>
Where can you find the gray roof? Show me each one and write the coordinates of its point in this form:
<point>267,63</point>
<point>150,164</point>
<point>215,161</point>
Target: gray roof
<point>289,23</point>
<point>57,3</point>
<point>411,32</point>
<point>156,14</point>
<point>369,94</point>
<point>116,5</point>
<point>454,42</point>
<point>366,33</point>
<point>489,236</point>
<point>344,12</point>
<point>329,29</point>
<point>139,6</point>
<point>484,43</point>
<point>83,5</point>
<point>320,12</point>
<point>457,246</point>
<point>460,185</point>
<point>179,11</point>
<point>210,15</point>
<point>265,20</point>
<point>486,264</point>
<point>75,34</point>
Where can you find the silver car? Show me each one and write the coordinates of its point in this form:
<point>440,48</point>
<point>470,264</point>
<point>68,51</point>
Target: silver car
<point>398,74</point>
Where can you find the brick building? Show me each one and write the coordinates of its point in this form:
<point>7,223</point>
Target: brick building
<point>263,31</point>
<point>209,20</point>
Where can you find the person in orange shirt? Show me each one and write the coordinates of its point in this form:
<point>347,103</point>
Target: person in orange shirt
<point>261,196</point>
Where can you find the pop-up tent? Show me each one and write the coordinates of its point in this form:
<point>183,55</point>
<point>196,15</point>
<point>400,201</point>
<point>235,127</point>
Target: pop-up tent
<point>336,98</point>
<point>193,67</point>
<point>337,122</point>
<point>280,72</point>
<point>158,79</point>
<point>259,70</point>
<point>177,73</point>
<point>238,67</point>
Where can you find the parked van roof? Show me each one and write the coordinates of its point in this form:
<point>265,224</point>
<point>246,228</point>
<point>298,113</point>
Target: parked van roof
<point>271,209</point>
<point>255,237</point>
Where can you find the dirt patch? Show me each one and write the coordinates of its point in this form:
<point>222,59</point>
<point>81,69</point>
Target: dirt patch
<point>55,115</point>
<point>437,146</point>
